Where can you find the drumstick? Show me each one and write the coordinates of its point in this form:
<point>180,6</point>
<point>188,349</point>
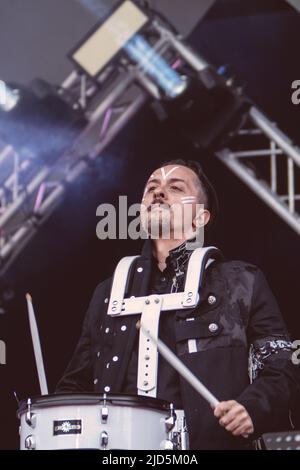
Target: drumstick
<point>37,346</point>
<point>181,368</point>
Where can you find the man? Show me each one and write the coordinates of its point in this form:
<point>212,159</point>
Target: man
<point>237,318</point>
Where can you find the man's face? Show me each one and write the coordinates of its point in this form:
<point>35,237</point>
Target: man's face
<point>171,198</point>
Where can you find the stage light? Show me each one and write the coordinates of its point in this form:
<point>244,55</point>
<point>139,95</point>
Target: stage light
<point>9,97</point>
<point>121,33</point>
<point>154,65</point>
<point>207,112</point>
<point>204,105</point>
<point>107,39</point>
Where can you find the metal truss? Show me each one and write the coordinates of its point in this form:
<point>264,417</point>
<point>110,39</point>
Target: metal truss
<point>30,192</point>
<point>268,162</point>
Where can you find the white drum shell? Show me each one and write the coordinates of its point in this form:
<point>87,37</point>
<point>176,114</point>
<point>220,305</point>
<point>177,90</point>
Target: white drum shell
<point>127,427</point>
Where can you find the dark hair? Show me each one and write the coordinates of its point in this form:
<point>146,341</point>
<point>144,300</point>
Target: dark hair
<point>212,203</point>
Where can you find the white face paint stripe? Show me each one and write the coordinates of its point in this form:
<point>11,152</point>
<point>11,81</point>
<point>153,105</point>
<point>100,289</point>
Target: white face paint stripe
<point>186,200</point>
<point>165,175</point>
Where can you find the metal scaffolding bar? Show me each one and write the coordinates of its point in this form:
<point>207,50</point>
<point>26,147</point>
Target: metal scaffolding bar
<point>29,193</point>
<point>281,149</point>
<point>108,107</point>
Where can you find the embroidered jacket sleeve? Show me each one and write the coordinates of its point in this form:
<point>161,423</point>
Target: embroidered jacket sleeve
<point>267,397</point>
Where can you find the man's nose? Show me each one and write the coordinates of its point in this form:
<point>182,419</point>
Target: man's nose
<point>159,193</point>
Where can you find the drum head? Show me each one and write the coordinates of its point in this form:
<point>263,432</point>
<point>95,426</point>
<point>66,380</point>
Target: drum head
<point>65,399</point>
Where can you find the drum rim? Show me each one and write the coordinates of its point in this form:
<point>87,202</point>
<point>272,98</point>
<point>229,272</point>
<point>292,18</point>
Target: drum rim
<point>73,399</point>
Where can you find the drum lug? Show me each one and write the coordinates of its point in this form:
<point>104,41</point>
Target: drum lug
<point>30,443</point>
<point>170,420</point>
<point>30,418</point>
<point>104,414</point>
<point>104,410</point>
<point>167,445</point>
<point>104,439</point>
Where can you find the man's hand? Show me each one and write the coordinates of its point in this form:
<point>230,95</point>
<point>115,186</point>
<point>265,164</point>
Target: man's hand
<point>234,418</point>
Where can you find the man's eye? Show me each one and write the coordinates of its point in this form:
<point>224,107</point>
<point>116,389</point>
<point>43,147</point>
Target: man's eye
<point>151,188</point>
<point>177,188</point>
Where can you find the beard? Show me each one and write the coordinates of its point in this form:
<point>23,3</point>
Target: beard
<point>156,220</point>
<point>164,221</point>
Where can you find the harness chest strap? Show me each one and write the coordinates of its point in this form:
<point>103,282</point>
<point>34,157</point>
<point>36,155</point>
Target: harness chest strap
<point>150,308</point>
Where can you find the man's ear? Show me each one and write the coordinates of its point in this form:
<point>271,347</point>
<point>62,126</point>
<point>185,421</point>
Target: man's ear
<point>201,219</point>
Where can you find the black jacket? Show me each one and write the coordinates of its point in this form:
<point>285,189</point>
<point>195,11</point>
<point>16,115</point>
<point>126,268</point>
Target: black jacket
<point>249,326</point>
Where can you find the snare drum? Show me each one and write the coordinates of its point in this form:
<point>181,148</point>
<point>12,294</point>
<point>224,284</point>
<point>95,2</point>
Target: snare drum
<point>93,421</point>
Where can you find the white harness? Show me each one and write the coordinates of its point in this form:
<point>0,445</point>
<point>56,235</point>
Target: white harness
<point>150,308</point>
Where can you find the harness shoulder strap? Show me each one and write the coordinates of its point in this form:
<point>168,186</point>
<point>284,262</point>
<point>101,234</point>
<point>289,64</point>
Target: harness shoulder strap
<point>198,261</point>
<point>119,285</point>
